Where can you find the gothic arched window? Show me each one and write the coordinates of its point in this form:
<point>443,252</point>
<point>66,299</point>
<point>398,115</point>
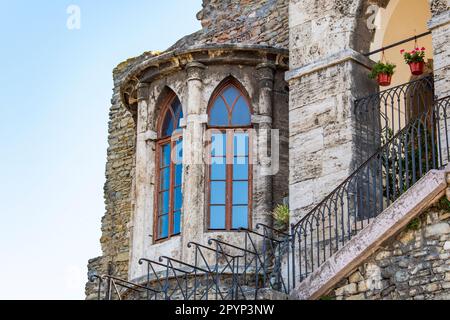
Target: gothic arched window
<point>230,169</point>
<point>169,171</point>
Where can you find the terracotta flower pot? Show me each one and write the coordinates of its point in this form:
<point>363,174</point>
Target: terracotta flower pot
<point>417,68</point>
<point>384,80</point>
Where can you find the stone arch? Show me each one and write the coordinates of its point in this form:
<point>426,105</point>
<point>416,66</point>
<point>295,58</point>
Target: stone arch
<point>363,36</point>
<point>383,22</point>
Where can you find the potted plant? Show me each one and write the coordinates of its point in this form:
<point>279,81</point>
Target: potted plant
<point>383,73</point>
<point>415,59</point>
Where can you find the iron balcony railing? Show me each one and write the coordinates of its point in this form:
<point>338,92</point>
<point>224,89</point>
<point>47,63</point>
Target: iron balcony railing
<point>382,115</point>
<point>419,147</point>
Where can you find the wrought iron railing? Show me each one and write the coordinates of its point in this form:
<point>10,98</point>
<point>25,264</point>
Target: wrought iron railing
<point>114,288</point>
<point>420,146</point>
<point>219,271</point>
<point>276,260</point>
<point>382,115</point>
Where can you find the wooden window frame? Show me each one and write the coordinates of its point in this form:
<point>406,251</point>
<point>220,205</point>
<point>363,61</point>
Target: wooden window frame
<point>230,132</point>
<point>160,143</point>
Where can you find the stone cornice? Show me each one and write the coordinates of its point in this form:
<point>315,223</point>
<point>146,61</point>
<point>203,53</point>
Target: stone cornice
<point>329,61</point>
<point>167,63</point>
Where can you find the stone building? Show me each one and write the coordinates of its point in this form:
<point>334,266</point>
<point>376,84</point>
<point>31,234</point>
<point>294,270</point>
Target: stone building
<point>270,101</point>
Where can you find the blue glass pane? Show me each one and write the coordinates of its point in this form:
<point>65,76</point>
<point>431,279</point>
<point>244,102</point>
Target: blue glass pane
<point>176,222</point>
<point>217,192</point>
<point>230,95</point>
<point>218,144</point>
<point>178,199</point>
<point>240,160</point>
<point>165,156</point>
<point>240,217</point>
<point>178,174</point>
<point>179,151</point>
<point>240,172</point>
<point>177,111</point>
<point>168,125</point>
<point>181,116</point>
<point>241,115</point>
<point>240,192</point>
<point>163,227</point>
<point>165,179</point>
<point>219,114</point>
<point>241,144</point>
<point>217,218</point>
<point>218,169</point>
<point>164,202</point>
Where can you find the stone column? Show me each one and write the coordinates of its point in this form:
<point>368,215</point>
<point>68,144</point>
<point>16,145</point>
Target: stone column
<point>440,28</point>
<point>262,120</point>
<point>194,169</point>
<point>326,76</point>
<point>142,221</point>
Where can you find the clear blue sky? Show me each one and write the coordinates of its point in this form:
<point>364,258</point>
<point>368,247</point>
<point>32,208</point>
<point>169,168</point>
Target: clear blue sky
<point>55,91</point>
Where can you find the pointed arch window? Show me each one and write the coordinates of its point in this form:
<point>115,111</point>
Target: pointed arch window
<point>230,169</point>
<point>169,198</point>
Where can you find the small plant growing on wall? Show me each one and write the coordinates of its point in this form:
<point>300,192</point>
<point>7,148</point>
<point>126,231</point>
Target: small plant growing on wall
<point>281,217</point>
<point>444,204</point>
<point>415,59</point>
<point>383,72</point>
<point>414,225</point>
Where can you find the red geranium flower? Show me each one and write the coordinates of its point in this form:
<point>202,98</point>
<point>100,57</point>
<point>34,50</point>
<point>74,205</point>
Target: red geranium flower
<point>423,49</point>
<point>402,51</point>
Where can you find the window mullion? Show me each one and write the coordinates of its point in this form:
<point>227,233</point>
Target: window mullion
<point>229,178</point>
<point>171,190</point>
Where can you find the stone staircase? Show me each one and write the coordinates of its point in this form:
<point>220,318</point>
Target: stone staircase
<point>370,206</point>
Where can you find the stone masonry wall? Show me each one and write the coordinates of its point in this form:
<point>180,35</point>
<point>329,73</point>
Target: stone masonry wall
<point>415,265</point>
<point>263,22</point>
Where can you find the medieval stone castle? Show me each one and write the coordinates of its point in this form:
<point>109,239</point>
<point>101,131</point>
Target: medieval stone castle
<point>268,104</point>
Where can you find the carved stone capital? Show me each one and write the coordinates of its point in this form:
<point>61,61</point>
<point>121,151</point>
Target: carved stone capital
<point>142,91</point>
<point>266,74</point>
<point>195,71</point>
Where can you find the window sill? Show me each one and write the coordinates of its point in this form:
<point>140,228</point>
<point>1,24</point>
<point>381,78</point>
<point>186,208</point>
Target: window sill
<point>161,241</point>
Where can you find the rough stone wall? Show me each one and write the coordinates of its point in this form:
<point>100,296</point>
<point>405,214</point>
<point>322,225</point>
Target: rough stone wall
<point>263,22</point>
<point>118,186</point>
<point>415,265</point>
